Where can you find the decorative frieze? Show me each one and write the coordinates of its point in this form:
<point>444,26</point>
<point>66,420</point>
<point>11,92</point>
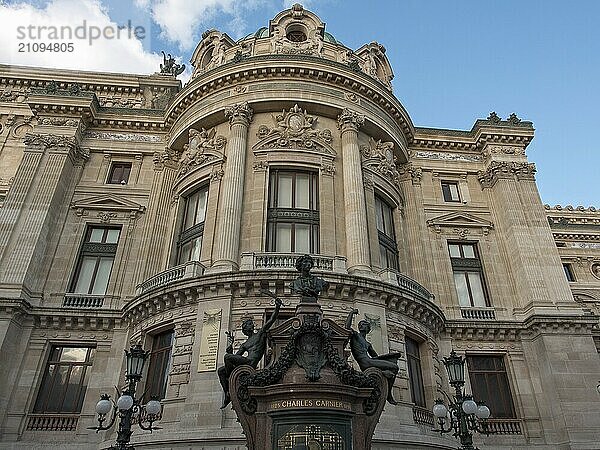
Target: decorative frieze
<point>379,157</point>
<point>59,121</point>
<point>202,147</point>
<point>505,170</point>
<point>294,130</point>
<point>125,137</point>
<point>443,156</point>
<point>511,150</point>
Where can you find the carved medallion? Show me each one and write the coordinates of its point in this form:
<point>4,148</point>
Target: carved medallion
<point>310,355</point>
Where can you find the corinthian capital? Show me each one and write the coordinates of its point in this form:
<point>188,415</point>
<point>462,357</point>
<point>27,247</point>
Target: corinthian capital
<point>41,142</point>
<point>350,120</point>
<point>239,113</point>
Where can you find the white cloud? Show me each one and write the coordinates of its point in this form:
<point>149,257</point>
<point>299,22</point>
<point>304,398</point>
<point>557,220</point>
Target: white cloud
<point>21,24</point>
<point>182,21</point>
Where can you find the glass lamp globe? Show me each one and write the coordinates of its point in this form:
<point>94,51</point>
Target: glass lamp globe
<point>104,405</point>
<point>124,402</point>
<point>483,412</point>
<point>153,407</point>
<point>439,410</point>
<point>469,406</point>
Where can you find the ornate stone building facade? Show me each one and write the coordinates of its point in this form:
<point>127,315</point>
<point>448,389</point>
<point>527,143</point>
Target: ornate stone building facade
<point>137,210</point>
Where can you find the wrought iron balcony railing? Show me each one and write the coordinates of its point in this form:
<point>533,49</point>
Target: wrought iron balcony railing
<point>52,422</point>
<point>73,300</point>
<point>478,313</point>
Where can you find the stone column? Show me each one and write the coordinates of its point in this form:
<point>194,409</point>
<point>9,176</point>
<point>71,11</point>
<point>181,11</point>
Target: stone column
<point>230,211</point>
<point>357,233</point>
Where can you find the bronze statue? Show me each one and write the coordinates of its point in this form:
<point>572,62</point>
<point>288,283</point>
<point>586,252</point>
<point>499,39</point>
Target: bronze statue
<point>255,347</point>
<point>169,67</point>
<point>366,356</point>
<point>307,285</point>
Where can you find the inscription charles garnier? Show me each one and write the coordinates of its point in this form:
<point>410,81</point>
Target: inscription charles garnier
<point>310,403</point>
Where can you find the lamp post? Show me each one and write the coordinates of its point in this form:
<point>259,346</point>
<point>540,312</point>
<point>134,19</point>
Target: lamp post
<point>127,407</point>
<point>463,415</point>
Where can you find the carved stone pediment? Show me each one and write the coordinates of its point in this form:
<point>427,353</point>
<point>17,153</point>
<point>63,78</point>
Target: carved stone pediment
<point>295,130</point>
<point>460,223</point>
<point>297,31</point>
<point>379,157</point>
<point>107,202</point>
<point>211,51</point>
<point>203,147</point>
<point>372,61</point>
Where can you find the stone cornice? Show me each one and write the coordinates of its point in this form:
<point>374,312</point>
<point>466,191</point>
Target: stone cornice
<point>515,331</point>
<point>290,66</point>
<point>248,284</point>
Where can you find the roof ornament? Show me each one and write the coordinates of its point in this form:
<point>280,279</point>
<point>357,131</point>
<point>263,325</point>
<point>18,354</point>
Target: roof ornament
<point>170,67</point>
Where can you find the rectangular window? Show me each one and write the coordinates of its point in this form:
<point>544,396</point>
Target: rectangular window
<point>119,173</point>
<point>96,260</point>
<point>293,214</point>
<point>159,366</point>
<point>388,249</point>
<point>450,191</point>
<point>568,272</point>
<point>65,380</point>
<point>489,384</point>
<point>192,229</point>
<point>415,375</point>
<point>468,274</point>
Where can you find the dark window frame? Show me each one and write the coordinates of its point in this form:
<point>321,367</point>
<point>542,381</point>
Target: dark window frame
<point>195,231</point>
<point>447,192</point>
<point>123,169</point>
<point>465,265</point>
<point>292,215</point>
<point>569,273</point>
<point>157,376</point>
<point>388,246</point>
<point>415,371</point>
<point>96,250</point>
<point>44,402</point>
<point>497,386</point>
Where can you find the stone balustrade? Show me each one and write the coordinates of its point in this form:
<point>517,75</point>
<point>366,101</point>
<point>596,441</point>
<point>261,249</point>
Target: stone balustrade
<point>52,422</point>
<point>191,269</point>
<point>504,426</point>
<point>266,261</point>
<point>74,300</point>
<point>478,313</point>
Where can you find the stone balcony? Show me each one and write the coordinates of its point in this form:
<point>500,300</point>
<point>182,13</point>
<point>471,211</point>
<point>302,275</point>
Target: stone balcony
<point>267,261</point>
<point>191,269</point>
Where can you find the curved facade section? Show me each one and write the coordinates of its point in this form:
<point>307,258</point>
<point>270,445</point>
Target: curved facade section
<point>157,213</point>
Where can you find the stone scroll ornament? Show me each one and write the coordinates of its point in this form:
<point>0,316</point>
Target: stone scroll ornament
<point>203,146</point>
<point>379,157</point>
<point>294,129</point>
<point>366,356</point>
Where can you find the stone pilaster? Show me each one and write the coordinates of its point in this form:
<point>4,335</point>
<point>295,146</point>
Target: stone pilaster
<point>357,232</point>
<point>525,237</point>
<point>44,183</point>
<point>230,215</point>
<point>158,218</point>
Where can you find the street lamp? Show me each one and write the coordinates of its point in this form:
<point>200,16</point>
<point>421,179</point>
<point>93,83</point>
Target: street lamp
<point>463,415</point>
<point>127,407</point>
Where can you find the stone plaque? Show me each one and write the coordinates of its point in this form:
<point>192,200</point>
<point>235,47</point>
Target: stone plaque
<point>209,341</point>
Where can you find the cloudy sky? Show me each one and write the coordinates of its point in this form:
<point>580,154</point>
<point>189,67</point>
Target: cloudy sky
<point>454,61</point>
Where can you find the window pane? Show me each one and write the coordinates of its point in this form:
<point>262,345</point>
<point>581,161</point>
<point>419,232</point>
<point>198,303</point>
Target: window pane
<point>302,241</point>
<point>283,237</point>
<point>284,194</point>
<point>96,234</point>
<point>112,235</point>
<point>70,401</point>
<point>388,221</point>
<point>190,210</point>
<point>454,192</point>
<point>195,248</point>
<point>185,252</point>
<point>45,390</point>
<point>302,191</point>
<point>102,276</point>
<point>476,289</point>
<point>468,250</point>
<point>379,214</point>
<point>70,354</point>
<point>201,211</point>
<point>460,282</point>
<point>454,250</point>
<point>86,271</point>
